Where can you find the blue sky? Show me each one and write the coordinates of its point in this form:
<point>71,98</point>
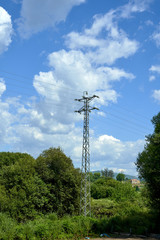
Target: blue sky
<point>52,51</point>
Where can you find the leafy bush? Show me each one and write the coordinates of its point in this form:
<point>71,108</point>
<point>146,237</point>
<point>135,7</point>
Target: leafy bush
<point>7,227</point>
<point>103,188</point>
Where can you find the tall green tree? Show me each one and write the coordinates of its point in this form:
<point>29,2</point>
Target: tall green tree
<point>62,179</point>
<point>148,163</point>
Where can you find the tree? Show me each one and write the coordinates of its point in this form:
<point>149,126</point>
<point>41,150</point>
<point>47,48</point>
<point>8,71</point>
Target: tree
<point>103,188</point>
<point>30,187</point>
<point>22,193</point>
<point>62,179</point>
<point>107,173</point>
<point>120,177</point>
<point>8,158</point>
<point>148,163</point>
<point>123,192</point>
<point>94,176</point>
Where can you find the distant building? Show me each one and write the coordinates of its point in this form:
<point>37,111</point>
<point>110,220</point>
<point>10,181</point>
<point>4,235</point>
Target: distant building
<point>135,182</point>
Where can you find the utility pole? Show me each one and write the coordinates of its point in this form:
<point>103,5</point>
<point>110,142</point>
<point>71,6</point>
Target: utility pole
<point>85,196</point>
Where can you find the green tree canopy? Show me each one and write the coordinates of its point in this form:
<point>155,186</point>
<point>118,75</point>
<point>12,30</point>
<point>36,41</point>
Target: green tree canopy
<point>62,179</point>
<point>8,158</point>
<point>120,177</point>
<point>22,193</point>
<point>94,176</point>
<point>30,187</point>
<point>148,163</point>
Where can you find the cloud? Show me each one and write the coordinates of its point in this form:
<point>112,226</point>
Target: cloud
<point>2,86</point>
<point>54,112</point>
<point>156,37</point>
<point>104,41</point>
<point>134,6</point>
<point>156,95</point>
<point>39,15</point>
<point>4,113</point>
<point>8,119</point>
<point>78,73</point>
<point>6,30</point>
<point>149,23</point>
<point>152,78</point>
<point>155,68</point>
<point>107,151</point>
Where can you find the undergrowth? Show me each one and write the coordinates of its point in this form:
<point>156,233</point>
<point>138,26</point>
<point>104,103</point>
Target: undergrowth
<point>50,227</point>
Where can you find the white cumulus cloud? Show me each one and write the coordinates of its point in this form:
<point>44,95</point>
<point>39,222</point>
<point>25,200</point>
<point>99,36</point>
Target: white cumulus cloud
<point>104,48</point>
<point>78,74</point>
<point>6,30</point>
<point>108,151</point>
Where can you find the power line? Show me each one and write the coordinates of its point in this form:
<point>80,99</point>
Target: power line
<point>122,127</point>
<point>27,78</point>
<point>67,88</point>
<point>48,99</point>
<point>129,122</point>
<point>134,127</point>
<point>132,112</point>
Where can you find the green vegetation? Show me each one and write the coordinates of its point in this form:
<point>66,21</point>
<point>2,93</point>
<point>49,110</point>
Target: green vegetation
<point>148,164</point>
<point>120,177</point>
<point>29,187</point>
<point>107,173</point>
<point>39,198</point>
<point>45,227</point>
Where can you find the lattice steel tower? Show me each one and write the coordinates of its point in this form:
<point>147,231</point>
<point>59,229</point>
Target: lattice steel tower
<point>85,197</point>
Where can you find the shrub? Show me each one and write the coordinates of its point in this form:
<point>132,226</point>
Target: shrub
<point>7,227</point>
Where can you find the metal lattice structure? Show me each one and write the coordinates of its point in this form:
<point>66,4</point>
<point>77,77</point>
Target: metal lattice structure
<point>85,196</point>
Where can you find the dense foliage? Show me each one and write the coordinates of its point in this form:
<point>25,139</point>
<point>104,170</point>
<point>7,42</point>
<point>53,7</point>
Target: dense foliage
<point>30,187</point>
<point>120,177</point>
<point>148,164</point>
<point>62,180</point>
<point>110,188</point>
<point>75,228</point>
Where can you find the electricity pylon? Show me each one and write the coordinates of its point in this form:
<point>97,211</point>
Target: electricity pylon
<point>85,196</point>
